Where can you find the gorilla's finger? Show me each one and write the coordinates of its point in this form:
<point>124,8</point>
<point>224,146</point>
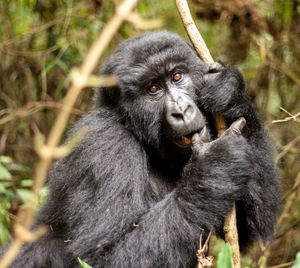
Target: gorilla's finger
<point>213,72</point>
<point>200,140</point>
<point>204,134</point>
<point>237,126</point>
<point>210,77</point>
<point>196,139</point>
<point>200,137</point>
<point>215,67</point>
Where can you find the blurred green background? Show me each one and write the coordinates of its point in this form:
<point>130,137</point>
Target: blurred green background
<point>41,40</point>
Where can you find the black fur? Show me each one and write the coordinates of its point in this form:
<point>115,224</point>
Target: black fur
<point>127,196</point>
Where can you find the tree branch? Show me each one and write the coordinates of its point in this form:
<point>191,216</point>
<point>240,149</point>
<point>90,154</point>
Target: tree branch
<point>78,82</point>
<point>230,229</point>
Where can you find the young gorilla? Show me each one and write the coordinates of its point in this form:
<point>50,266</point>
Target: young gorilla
<point>150,175</point>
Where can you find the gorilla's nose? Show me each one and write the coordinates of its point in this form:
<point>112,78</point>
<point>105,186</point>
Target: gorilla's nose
<point>182,114</point>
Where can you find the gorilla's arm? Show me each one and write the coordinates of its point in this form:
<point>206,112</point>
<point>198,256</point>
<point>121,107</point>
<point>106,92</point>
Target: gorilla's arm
<point>46,252</point>
<point>99,190</point>
<point>113,216</point>
<point>173,225</point>
<point>225,92</point>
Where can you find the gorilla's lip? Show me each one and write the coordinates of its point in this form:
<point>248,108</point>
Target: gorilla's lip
<point>186,140</point>
<point>183,142</point>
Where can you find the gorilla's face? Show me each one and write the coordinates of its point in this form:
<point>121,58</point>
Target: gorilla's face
<point>156,95</point>
<point>182,118</point>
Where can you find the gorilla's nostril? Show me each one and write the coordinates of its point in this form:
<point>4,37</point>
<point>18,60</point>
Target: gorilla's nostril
<point>188,112</point>
<point>177,116</point>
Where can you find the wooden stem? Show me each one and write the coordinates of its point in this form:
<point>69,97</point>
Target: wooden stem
<point>230,229</point>
<point>193,32</point>
<point>79,81</point>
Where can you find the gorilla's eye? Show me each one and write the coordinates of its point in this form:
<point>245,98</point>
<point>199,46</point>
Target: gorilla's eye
<point>154,90</point>
<point>177,77</point>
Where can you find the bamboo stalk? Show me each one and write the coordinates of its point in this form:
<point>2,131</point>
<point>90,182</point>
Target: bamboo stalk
<point>230,228</point>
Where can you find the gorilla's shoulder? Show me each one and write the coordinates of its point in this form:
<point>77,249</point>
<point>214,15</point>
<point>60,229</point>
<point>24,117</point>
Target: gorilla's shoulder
<point>97,122</point>
<point>107,146</point>
<point>106,137</point>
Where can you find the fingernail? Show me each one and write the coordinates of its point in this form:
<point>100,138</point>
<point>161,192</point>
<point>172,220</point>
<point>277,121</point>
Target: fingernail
<point>195,139</point>
<point>238,125</point>
<point>204,134</point>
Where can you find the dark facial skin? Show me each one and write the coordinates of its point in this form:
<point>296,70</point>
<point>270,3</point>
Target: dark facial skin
<point>182,117</point>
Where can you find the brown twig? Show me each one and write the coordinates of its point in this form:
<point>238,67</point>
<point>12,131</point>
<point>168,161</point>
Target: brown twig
<point>290,202</point>
<point>78,82</point>
<point>230,229</point>
<point>231,236</point>
<point>193,32</point>
<point>287,264</point>
<point>31,108</point>
<point>291,117</point>
<point>287,148</point>
<point>284,215</point>
<point>203,260</point>
<point>41,28</point>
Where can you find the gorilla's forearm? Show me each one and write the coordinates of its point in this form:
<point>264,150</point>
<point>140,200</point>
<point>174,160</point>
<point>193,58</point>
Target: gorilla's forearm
<point>180,217</point>
<point>48,251</point>
<point>257,211</point>
<point>146,246</point>
<point>225,92</point>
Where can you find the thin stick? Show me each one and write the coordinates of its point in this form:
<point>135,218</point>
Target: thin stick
<point>231,236</point>
<point>230,229</point>
<point>79,81</point>
<point>193,32</point>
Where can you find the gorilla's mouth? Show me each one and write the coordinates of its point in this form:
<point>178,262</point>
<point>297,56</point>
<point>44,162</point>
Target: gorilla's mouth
<point>186,140</point>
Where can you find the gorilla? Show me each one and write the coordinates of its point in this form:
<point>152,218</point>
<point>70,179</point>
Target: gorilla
<point>151,174</point>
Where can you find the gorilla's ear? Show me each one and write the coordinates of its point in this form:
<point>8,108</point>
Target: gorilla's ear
<point>107,96</point>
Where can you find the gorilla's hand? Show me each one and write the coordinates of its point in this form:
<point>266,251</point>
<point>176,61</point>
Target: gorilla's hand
<point>231,149</point>
<point>200,145</point>
<point>223,88</point>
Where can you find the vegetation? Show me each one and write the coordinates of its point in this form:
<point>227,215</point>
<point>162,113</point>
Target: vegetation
<point>40,41</point>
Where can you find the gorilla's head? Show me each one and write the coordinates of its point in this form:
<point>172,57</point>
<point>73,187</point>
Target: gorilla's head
<point>159,76</point>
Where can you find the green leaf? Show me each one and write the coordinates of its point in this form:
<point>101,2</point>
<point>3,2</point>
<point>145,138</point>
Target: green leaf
<point>5,159</point>
<point>4,173</point>
<point>22,126</point>
<point>2,188</point>
<point>297,263</point>
<point>26,183</point>
<point>83,264</point>
<point>4,185</point>
<point>263,262</point>
<point>19,168</point>
<point>4,234</point>
<point>25,195</point>
<point>225,257</point>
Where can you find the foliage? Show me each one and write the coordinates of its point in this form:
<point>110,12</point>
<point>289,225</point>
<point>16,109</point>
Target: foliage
<point>297,263</point>
<point>14,183</point>
<point>83,264</point>
<point>224,257</point>
<point>41,40</point>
